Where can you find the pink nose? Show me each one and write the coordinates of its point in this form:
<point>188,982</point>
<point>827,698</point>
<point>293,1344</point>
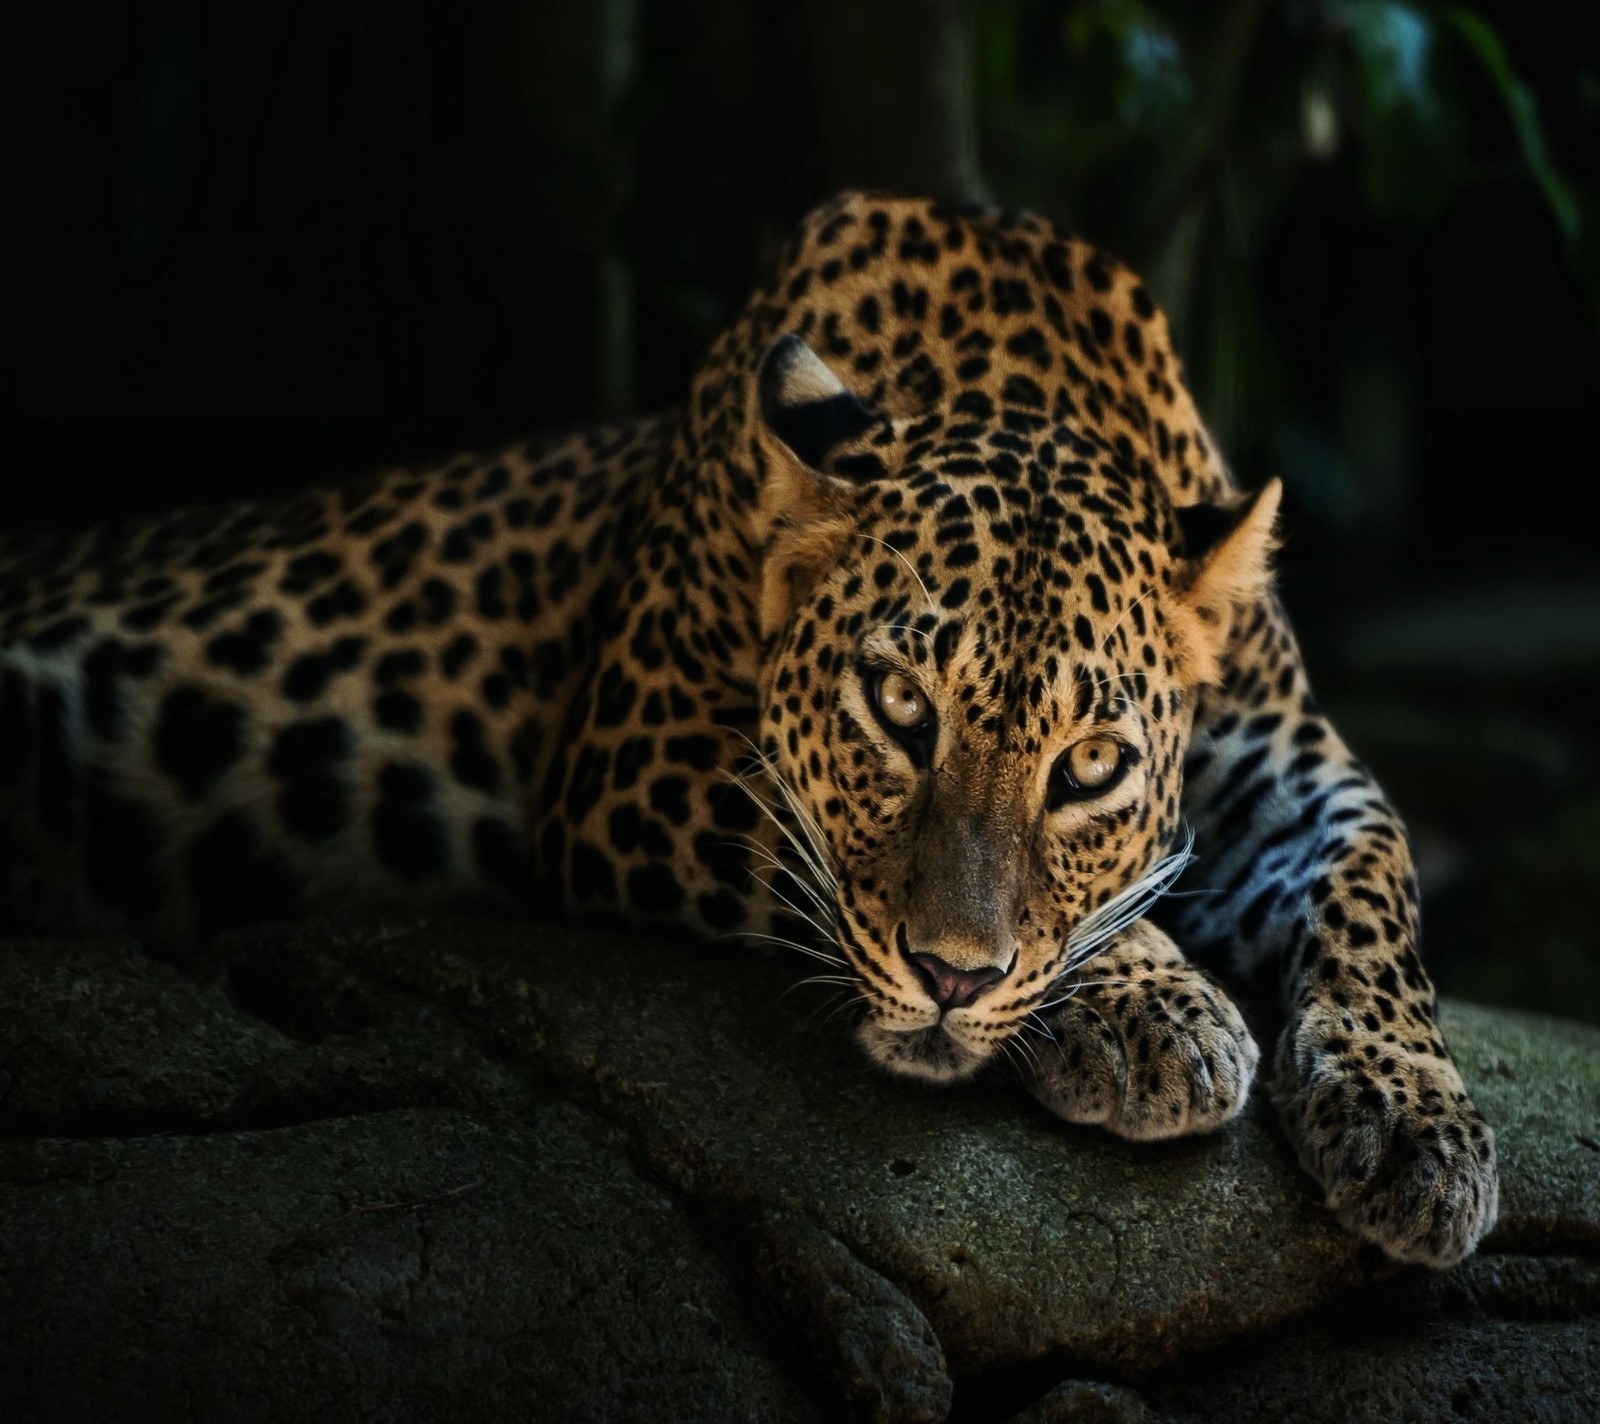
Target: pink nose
<point>951,987</point>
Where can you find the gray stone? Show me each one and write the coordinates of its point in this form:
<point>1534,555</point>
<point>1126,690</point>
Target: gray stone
<point>1020,1239</point>
<point>99,1038</point>
<point>477,1169</point>
<point>1084,1402</point>
<point>1537,1079</point>
<point>411,1264</point>
<point>875,1346</point>
<point>1428,1372</point>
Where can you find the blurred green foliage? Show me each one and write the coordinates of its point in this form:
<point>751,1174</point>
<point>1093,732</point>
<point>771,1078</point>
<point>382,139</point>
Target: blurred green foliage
<point>1068,91</point>
<point>1174,133</point>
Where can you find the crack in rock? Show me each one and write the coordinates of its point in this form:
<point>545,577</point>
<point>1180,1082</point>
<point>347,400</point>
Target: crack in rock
<point>873,1345</point>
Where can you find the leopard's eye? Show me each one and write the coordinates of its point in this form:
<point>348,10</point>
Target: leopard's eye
<point>904,711</point>
<point>1092,766</point>
<point>903,704</point>
<point>1092,763</point>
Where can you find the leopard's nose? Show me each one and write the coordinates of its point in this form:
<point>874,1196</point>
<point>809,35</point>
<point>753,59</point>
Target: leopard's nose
<point>954,988</point>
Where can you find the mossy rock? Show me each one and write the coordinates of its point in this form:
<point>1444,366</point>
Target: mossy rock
<point>477,1169</point>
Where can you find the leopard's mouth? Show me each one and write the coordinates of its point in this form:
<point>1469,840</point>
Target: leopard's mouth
<point>931,1054</point>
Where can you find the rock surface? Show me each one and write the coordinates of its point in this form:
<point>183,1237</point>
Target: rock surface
<point>474,1169</point>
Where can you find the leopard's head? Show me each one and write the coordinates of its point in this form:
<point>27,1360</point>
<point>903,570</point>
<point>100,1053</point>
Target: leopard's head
<point>985,626</point>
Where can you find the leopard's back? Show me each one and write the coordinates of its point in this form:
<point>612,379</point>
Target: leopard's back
<point>257,710</point>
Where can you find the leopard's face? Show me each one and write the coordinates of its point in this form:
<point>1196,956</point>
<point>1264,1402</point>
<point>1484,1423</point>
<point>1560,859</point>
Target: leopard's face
<point>979,706</point>
<point>985,619</point>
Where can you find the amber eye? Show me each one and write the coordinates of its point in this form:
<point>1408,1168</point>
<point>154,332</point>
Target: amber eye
<point>903,704</point>
<point>1094,762</point>
<point>904,712</point>
<point>1094,765</point>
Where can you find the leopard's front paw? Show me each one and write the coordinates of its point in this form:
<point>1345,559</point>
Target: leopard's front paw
<point>1147,1047</point>
<point>1405,1158</point>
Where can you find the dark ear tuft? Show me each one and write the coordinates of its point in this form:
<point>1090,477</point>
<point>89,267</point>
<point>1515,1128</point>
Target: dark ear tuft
<point>1204,526</point>
<point>805,405</point>
<point>1226,566</point>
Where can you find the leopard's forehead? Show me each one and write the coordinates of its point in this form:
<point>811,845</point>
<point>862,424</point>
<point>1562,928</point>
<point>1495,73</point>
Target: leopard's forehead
<point>1035,511</point>
<point>1025,557</point>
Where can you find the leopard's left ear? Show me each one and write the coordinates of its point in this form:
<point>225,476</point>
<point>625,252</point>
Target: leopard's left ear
<point>1225,565</point>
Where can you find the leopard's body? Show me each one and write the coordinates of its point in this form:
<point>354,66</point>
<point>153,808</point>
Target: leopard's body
<point>943,467</point>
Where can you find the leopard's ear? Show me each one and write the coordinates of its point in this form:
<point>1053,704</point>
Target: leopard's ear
<point>807,426</point>
<point>1224,564</point>
<point>807,409</point>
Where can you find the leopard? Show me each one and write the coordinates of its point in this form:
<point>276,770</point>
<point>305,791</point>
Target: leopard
<point>932,636</point>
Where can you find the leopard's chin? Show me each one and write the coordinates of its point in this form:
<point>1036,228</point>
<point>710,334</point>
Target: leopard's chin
<point>929,1054</point>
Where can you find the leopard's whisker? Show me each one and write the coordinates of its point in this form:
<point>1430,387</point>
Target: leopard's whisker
<point>769,809</point>
<point>808,824</point>
<point>1105,643</point>
<point>907,628</point>
<point>873,538</point>
<point>768,858</point>
<point>831,1002</point>
<point>818,857</point>
<point>849,1002</point>
<point>1022,1046</point>
<point>793,908</point>
<point>810,952</point>
<point>1127,906</point>
<point>838,979</point>
<point>805,857</point>
<point>1072,991</point>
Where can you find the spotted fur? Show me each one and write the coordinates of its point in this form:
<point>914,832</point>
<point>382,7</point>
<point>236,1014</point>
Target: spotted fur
<point>642,672</point>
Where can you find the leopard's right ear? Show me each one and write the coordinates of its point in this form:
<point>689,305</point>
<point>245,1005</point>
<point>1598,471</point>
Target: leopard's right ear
<point>1226,565</point>
<point>810,430</point>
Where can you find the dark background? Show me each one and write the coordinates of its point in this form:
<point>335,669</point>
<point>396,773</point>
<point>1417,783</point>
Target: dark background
<point>258,247</point>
